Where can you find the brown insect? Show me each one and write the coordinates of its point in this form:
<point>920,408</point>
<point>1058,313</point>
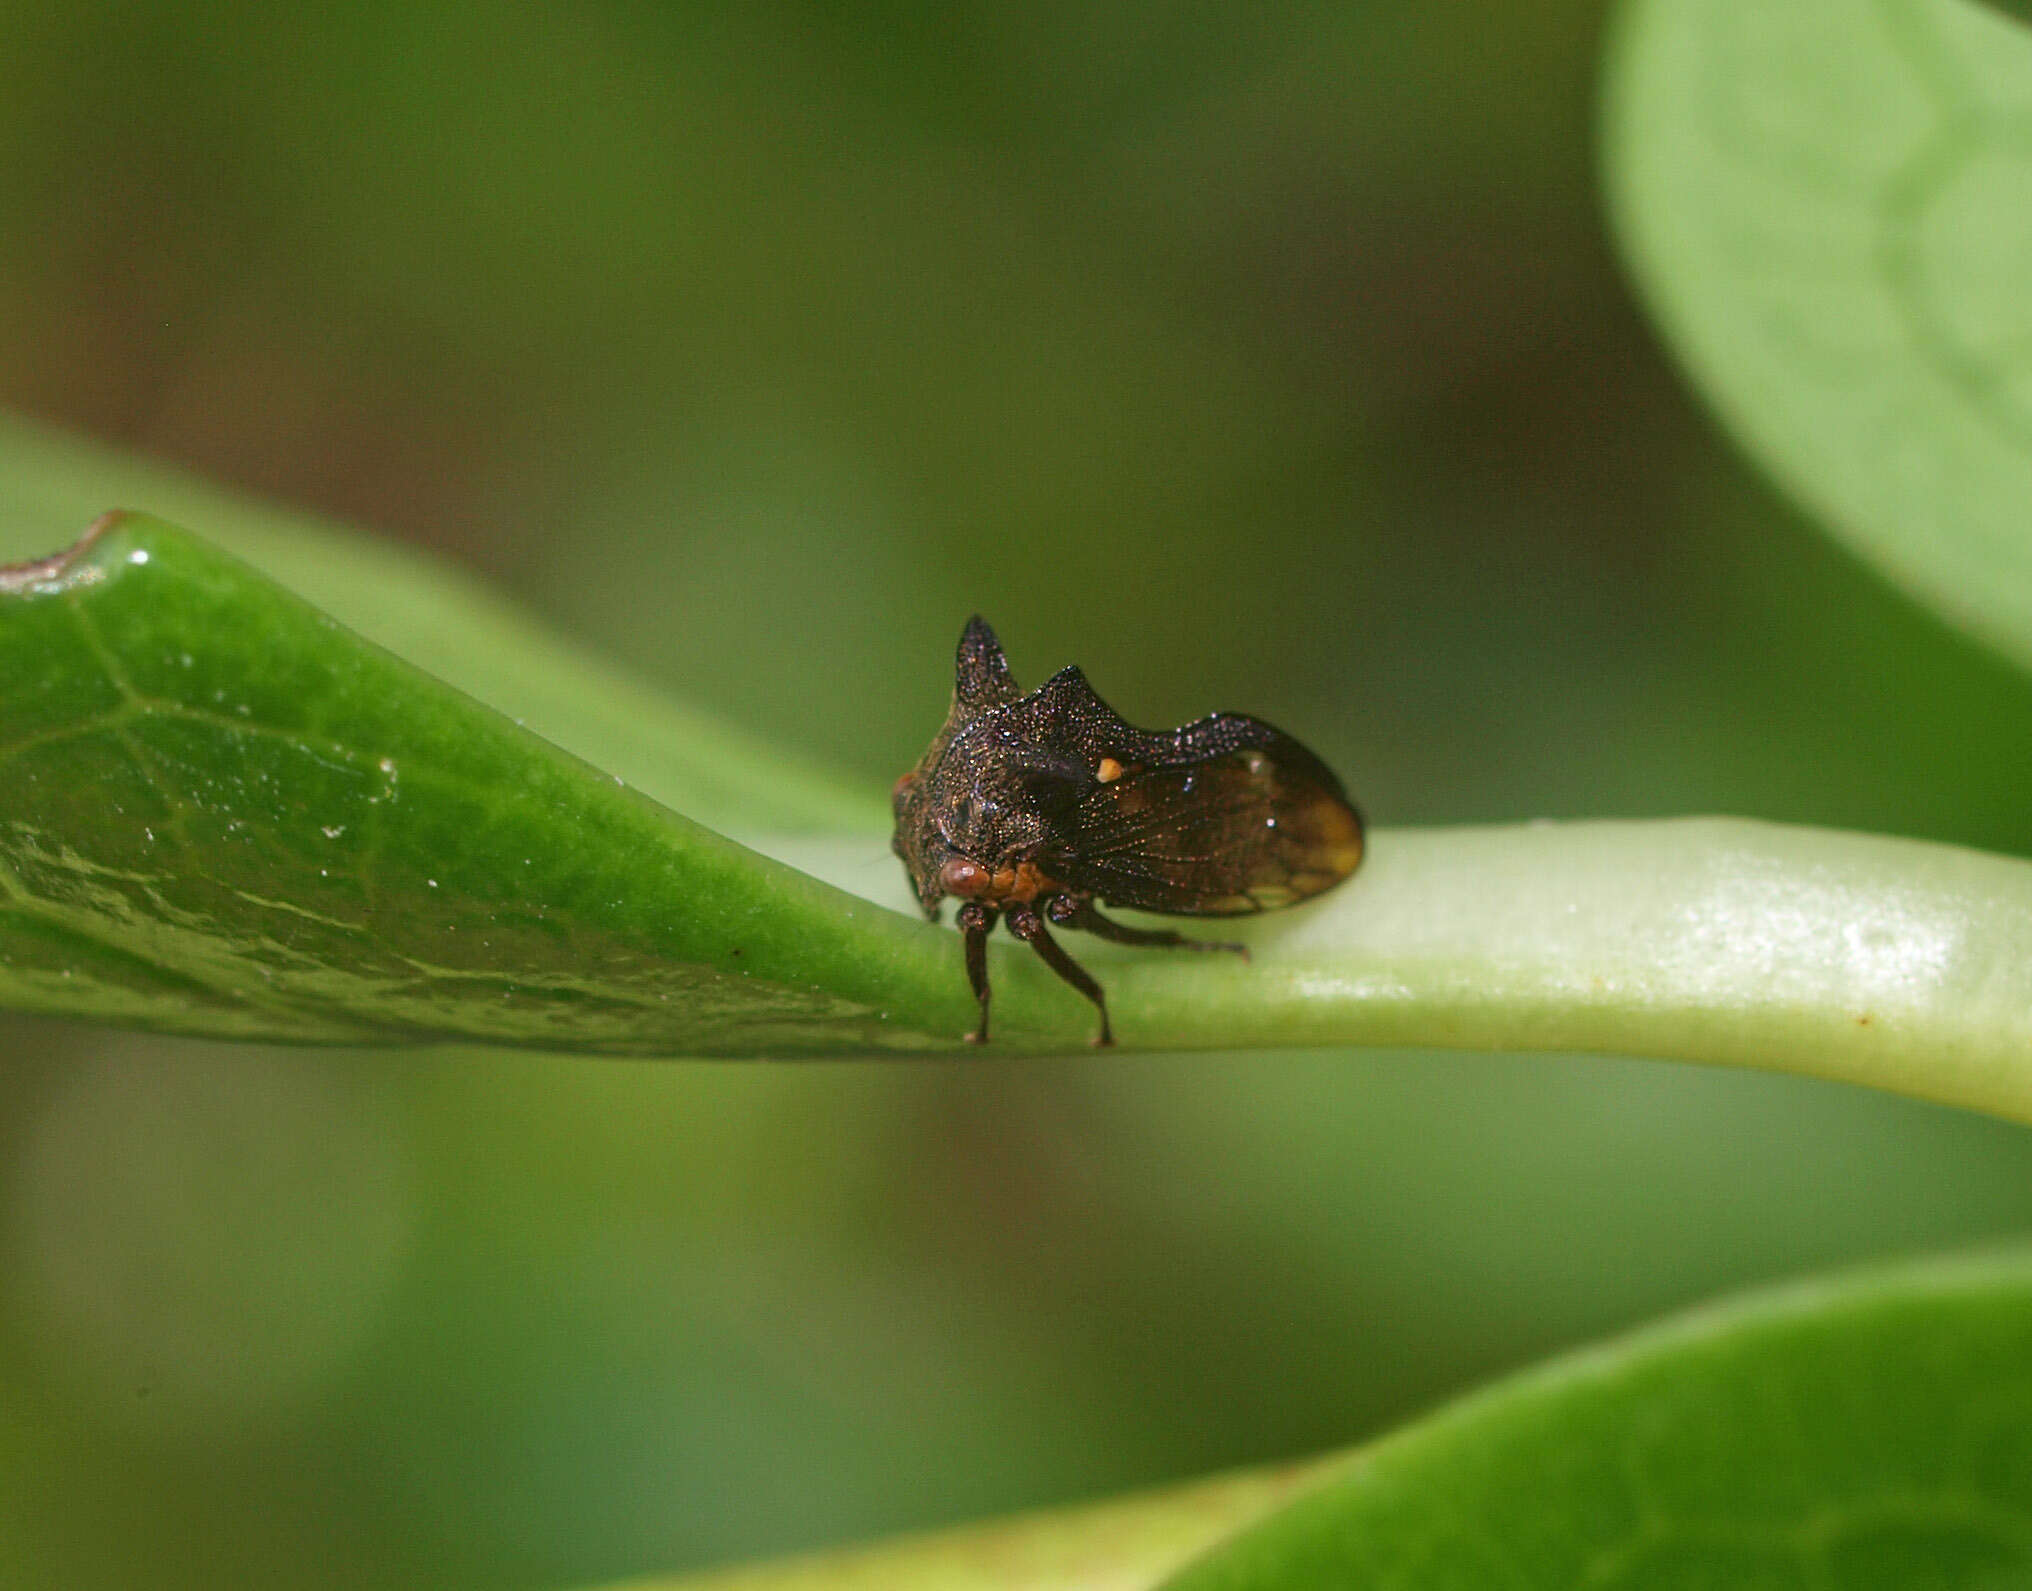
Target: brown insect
<point>1032,808</point>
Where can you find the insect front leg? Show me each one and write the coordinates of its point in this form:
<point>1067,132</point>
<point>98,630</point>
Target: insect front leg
<point>975,921</point>
<point>1026,923</point>
<point>1073,911</point>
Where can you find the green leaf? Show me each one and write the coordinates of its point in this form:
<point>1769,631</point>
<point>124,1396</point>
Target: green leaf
<point>223,813</point>
<point>1870,1432</point>
<point>1875,1430</point>
<point>442,621</point>
<point>1115,1545</point>
<point>1828,205</point>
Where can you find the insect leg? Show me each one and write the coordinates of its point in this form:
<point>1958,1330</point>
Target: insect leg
<point>975,921</point>
<point>1025,923</point>
<point>1075,913</point>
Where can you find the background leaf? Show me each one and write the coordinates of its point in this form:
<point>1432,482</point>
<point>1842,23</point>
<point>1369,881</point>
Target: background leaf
<point>1829,206</point>
<point>1873,1431</point>
<point>1869,1430</point>
<point>1121,1545</point>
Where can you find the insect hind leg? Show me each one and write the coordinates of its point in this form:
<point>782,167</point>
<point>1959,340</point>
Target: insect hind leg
<point>1082,914</point>
<point>1027,924</point>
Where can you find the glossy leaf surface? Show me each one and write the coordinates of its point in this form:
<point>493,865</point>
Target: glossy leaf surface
<point>223,813</point>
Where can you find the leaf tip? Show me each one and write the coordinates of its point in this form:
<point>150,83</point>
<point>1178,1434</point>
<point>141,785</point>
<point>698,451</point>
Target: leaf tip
<point>44,574</point>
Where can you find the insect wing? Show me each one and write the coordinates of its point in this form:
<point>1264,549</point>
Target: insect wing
<point>1235,828</point>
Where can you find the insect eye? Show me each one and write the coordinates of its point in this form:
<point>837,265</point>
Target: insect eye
<point>901,793</point>
<point>1108,771</point>
<point>961,877</point>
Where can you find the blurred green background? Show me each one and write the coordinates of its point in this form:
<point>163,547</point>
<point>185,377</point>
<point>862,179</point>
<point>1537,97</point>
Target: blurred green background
<point>1270,358</point>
